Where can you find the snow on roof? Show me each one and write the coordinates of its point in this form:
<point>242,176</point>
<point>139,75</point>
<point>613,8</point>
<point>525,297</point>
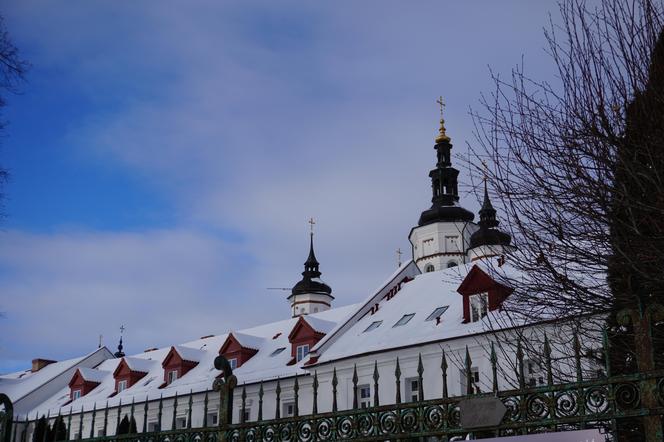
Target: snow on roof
<point>264,365</point>
<point>139,364</point>
<point>189,354</point>
<point>92,374</point>
<point>20,384</point>
<point>320,325</point>
<point>423,295</point>
<point>248,341</point>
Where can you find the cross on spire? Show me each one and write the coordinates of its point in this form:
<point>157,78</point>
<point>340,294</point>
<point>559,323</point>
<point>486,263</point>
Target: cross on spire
<point>442,136</point>
<point>399,253</point>
<point>442,105</point>
<point>122,329</point>
<point>311,225</point>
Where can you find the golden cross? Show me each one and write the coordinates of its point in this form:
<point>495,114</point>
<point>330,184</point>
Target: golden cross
<point>311,224</point>
<point>399,253</point>
<point>442,105</point>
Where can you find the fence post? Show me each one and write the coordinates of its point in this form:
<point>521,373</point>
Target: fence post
<point>443,368</point>
<point>225,388</point>
<point>397,375</point>
<point>375,379</point>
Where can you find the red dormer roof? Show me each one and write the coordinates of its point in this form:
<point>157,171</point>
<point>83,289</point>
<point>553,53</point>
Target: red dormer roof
<point>307,331</point>
<point>478,280</point>
<point>240,347</point>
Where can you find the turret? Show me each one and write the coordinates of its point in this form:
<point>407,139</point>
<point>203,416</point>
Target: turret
<point>310,294</point>
<point>488,241</point>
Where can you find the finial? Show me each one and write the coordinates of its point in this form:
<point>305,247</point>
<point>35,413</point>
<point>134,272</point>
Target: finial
<point>399,253</point>
<point>120,353</point>
<point>442,136</point>
<point>311,225</point>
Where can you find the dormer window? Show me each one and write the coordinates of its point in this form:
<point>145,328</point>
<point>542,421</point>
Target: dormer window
<point>302,351</point>
<point>178,361</point>
<point>233,363</point>
<point>85,380</point>
<point>479,305</point>
<point>239,348</point>
<point>75,394</point>
<point>172,376</point>
<point>122,385</point>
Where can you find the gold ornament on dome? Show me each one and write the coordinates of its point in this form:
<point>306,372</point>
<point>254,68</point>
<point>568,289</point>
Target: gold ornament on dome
<point>442,136</point>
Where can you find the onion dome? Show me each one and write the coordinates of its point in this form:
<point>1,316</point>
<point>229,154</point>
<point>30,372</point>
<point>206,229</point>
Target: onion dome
<point>488,235</point>
<point>311,282</point>
<point>444,185</point>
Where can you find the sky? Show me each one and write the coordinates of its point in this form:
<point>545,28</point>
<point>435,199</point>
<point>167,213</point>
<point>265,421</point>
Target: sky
<point>165,156</point>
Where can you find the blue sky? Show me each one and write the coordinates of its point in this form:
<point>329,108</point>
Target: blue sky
<point>165,156</point>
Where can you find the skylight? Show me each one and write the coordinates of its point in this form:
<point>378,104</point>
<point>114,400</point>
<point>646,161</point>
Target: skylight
<point>372,326</point>
<point>277,351</point>
<point>436,313</point>
<point>404,320</point>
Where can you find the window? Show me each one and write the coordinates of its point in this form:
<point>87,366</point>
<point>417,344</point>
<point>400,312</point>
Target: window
<point>181,422</point>
<point>451,264</point>
<point>122,385</point>
<point>412,389</point>
<point>533,372</point>
<point>100,432</point>
<point>289,409</point>
<point>429,268</point>
<point>452,244</point>
<point>277,351</point>
<point>364,394</point>
<point>437,313</point>
<point>246,415</point>
<point>404,320</point>
<point>153,426</point>
<point>373,325</point>
<point>233,363</point>
<point>474,379</point>
<point>478,306</point>
<point>76,394</point>
<point>172,376</point>
<point>301,351</point>
<point>212,419</point>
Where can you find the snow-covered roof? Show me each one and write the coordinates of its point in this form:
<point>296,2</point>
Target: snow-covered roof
<point>248,341</point>
<point>320,325</point>
<point>20,384</point>
<point>264,365</point>
<point>189,353</point>
<point>92,374</point>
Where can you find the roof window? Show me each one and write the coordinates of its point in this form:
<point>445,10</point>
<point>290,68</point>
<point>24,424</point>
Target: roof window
<point>372,326</point>
<point>437,313</point>
<point>404,320</point>
<point>277,351</point>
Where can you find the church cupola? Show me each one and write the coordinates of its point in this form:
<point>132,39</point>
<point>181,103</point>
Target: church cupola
<point>310,294</point>
<point>488,241</point>
<point>441,237</point>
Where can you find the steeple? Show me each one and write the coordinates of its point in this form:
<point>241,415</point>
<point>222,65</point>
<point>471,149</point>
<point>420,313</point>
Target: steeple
<point>444,184</point>
<point>120,353</point>
<point>487,212</point>
<point>310,294</point>
<point>488,240</point>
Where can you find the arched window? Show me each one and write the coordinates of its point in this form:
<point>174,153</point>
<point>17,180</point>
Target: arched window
<point>452,264</point>
<point>429,268</point>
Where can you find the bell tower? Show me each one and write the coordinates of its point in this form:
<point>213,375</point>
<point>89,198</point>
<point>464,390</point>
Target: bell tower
<point>442,235</point>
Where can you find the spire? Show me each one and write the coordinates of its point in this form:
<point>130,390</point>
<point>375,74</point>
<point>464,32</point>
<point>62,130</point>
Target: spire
<point>120,353</point>
<point>488,234</point>
<point>487,212</point>
<point>311,264</point>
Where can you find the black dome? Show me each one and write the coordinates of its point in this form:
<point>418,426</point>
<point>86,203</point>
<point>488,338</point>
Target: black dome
<point>489,237</point>
<point>438,213</point>
<point>308,285</point>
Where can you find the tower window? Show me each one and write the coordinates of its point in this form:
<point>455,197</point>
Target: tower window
<point>429,268</point>
<point>404,320</point>
<point>451,244</point>
<point>437,313</point>
<point>478,306</point>
<point>451,264</point>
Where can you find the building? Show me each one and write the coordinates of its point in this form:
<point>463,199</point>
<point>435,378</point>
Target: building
<point>441,300</point>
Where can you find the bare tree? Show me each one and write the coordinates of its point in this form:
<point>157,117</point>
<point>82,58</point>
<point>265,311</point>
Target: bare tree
<point>577,164</point>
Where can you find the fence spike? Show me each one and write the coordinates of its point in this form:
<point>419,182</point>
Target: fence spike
<point>191,404</point>
<point>420,378</point>
<point>105,431</point>
<point>80,424</point>
<point>131,413</point>
<point>469,374</point>
<point>577,358</point>
<point>145,415</point>
<point>71,409</point>
<point>519,365</point>
<point>175,411</point>
<point>94,415</point>
<point>397,375</point>
<point>244,403</point>
<point>443,368</point>
<point>547,361</point>
<point>494,367</point>
<point>48,414</point>
<point>260,402</point>
<point>296,394</point>
<point>160,412</point>
<point>376,376</point>
<point>117,423</point>
<point>607,349</point>
<point>314,407</point>
<point>355,405</point>
<point>335,381</point>
<point>277,413</point>
<point>205,410</point>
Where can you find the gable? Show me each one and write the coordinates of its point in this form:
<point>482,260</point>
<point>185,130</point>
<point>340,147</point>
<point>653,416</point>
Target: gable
<point>477,281</point>
<point>77,379</point>
<point>303,330</point>
<point>172,358</point>
<point>230,345</point>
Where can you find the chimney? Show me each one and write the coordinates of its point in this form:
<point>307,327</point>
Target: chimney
<point>39,363</point>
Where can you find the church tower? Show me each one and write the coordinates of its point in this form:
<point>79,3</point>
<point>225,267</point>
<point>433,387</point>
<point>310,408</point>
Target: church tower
<point>442,235</point>
<point>310,294</point>
<point>488,241</point>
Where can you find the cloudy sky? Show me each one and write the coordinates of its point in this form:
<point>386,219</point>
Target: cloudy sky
<point>166,155</point>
